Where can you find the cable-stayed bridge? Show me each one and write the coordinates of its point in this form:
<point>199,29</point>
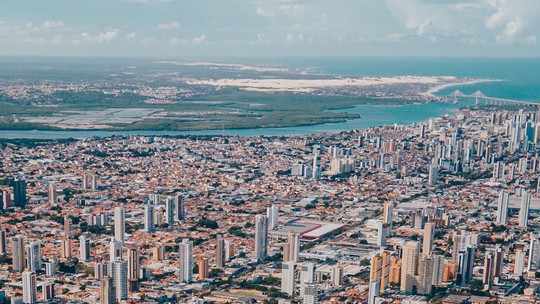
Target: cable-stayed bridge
<point>481,99</point>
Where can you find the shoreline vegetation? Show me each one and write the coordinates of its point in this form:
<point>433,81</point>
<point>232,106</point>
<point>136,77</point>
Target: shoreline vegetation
<point>228,108</point>
<point>197,96</point>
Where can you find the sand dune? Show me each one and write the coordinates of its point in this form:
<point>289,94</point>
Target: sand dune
<point>310,85</point>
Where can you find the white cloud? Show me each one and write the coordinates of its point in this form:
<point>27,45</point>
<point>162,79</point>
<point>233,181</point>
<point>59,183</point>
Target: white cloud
<point>200,39</point>
<point>468,6</point>
<point>104,37</point>
<point>52,24</point>
<point>510,31</point>
<point>57,39</point>
<point>14,31</point>
<point>500,21</point>
<point>175,40</point>
<point>262,12</point>
<point>424,17</point>
<point>107,36</point>
<point>169,25</point>
<point>289,37</point>
<point>511,20</point>
<point>292,10</point>
<point>390,38</point>
<point>424,27</point>
<point>131,36</point>
<point>531,40</point>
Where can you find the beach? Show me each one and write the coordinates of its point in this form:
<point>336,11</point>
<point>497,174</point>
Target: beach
<point>435,83</point>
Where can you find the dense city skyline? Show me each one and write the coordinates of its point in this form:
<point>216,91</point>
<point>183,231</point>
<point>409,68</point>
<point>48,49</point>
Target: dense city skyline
<point>270,151</point>
<point>446,209</point>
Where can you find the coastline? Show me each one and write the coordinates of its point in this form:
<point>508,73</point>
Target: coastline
<point>311,85</point>
<point>431,92</point>
<point>371,116</point>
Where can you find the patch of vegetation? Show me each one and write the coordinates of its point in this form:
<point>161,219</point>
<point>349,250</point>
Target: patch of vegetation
<point>229,108</point>
<point>206,223</point>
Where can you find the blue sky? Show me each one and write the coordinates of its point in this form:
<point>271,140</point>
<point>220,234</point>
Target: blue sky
<point>179,28</point>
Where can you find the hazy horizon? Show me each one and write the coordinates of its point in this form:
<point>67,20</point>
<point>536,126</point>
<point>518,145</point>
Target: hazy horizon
<point>259,28</point>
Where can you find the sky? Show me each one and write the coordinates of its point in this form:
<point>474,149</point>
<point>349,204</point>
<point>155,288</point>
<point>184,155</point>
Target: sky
<point>241,28</point>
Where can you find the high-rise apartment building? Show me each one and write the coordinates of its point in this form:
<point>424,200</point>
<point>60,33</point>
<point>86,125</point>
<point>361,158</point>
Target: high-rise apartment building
<point>534,254</point>
<point>409,265</point>
<point>388,217</point>
<point>18,253</point>
<point>118,270</point>
<point>425,276</point>
<point>47,289</point>
<point>19,193</point>
<point>179,208</point>
<point>429,233</point>
<point>292,250</point>
<point>133,269</point>
<point>148,218</point>
<point>33,256</point>
<point>272,213</point>
<point>3,241</point>
<point>203,267</point>
<point>115,250</point>
<point>29,285</point>
<point>84,247</point>
<point>229,250</point>
<point>375,279</point>
<point>220,251</point>
<point>288,277</point>
<point>311,294</point>
<point>336,276</point>
<point>502,207</point>
<point>185,252</point>
<point>524,208</point>
<point>107,294</point>
<point>438,269</point>
<point>52,193</point>
<point>519,262</point>
<point>465,265</point>
<point>119,224</point>
<point>169,211</point>
<point>261,236</point>
<point>67,250</point>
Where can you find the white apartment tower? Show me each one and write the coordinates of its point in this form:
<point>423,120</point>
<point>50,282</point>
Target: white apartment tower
<point>185,252</point>
<point>169,211</point>
<point>33,256</point>
<point>502,207</point>
<point>119,224</point>
<point>115,250</point>
<point>148,218</point>
<point>288,277</point>
<point>84,247</point>
<point>29,287</point>
<point>118,270</point>
<point>272,213</point>
<point>524,209</point>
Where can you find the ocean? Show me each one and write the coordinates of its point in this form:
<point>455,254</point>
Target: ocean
<point>520,77</point>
